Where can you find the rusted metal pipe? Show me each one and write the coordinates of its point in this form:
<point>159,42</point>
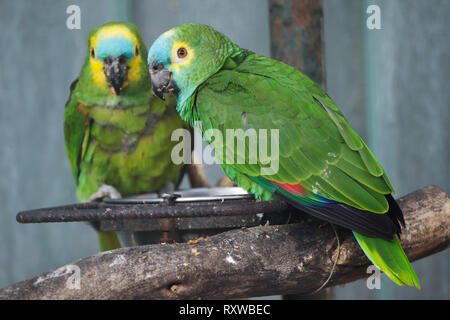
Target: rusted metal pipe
<point>102,211</point>
<point>296,31</point>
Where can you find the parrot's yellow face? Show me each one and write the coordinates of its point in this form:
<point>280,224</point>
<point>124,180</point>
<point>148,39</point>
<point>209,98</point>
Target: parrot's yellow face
<point>115,58</point>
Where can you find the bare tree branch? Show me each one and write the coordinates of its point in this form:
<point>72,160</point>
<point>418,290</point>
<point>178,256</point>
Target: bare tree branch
<point>264,260</point>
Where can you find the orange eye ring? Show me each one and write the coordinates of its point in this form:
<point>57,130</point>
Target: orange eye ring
<point>182,52</point>
<point>93,55</point>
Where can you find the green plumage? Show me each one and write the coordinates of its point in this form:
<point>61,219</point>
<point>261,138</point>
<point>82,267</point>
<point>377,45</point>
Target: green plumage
<point>390,258</point>
<point>128,148</point>
<point>318,148</point>
<point>331,171</point>
<point>119,140</point>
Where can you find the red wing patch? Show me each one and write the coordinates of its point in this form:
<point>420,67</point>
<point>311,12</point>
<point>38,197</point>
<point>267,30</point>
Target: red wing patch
<point>292,188</point>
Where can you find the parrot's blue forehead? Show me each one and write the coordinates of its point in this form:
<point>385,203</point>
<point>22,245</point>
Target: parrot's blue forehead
<point>114,47</point>
<point>161,50</point>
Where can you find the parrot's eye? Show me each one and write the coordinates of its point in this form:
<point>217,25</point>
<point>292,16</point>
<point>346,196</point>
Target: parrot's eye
<point>136,51</point>
<point>182,52</point>
<point>93,53</point>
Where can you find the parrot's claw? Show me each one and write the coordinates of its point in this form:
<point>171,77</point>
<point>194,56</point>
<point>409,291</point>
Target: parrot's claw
<point>105,191</point>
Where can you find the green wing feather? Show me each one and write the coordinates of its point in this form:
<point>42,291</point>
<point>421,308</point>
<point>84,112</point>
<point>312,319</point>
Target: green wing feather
<point>390,258</point>
<point>319,148</point>
<point>76,132</point>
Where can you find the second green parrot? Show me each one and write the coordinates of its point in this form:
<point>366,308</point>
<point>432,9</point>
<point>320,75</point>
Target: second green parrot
<point>117,133</point>
<point>322,166</point>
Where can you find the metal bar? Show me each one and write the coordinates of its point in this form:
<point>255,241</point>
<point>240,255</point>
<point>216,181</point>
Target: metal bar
<point>101,211</point>
<point>296,31</point>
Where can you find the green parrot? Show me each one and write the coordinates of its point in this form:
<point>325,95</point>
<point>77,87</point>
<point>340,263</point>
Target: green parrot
<point>323,167</point>
<point>117,132</point>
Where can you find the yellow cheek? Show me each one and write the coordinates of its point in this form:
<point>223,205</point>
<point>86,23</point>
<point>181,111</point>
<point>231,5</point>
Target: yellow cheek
<point>133,72</point>
<point>177,63</point>
<point>98,75</point>
<point>176,67</point>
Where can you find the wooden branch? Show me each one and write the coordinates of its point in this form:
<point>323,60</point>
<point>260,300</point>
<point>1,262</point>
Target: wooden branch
<point>264,260</point>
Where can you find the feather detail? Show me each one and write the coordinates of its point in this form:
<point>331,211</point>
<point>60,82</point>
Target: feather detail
<point>296,189</point>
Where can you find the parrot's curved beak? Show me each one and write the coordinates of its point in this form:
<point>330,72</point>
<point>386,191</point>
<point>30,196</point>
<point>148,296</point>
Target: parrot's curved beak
<point>161,80</point>
<point>116,70</point>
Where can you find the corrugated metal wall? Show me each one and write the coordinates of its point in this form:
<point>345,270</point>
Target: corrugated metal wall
<point>391,84</point>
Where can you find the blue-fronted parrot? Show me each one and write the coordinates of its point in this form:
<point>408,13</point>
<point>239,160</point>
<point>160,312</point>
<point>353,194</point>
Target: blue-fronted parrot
<point>117,132</point>
<point>324,168</point>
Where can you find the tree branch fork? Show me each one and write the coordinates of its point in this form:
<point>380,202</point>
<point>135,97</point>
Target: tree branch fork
<point>258,261</point>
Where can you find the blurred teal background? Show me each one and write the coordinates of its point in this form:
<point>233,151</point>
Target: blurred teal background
<point>392,84</point>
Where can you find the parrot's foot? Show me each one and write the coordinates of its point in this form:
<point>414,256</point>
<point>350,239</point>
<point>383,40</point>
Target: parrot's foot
<point>105,191</point>
<point>225,182</point>
<point>107,240</point>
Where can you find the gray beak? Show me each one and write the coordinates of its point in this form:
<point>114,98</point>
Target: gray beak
<point>161,80</point>
<point>116,70</point>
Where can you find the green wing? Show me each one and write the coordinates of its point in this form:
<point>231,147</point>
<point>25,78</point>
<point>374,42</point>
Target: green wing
<point>76,131</point>
<point>318,148</point>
